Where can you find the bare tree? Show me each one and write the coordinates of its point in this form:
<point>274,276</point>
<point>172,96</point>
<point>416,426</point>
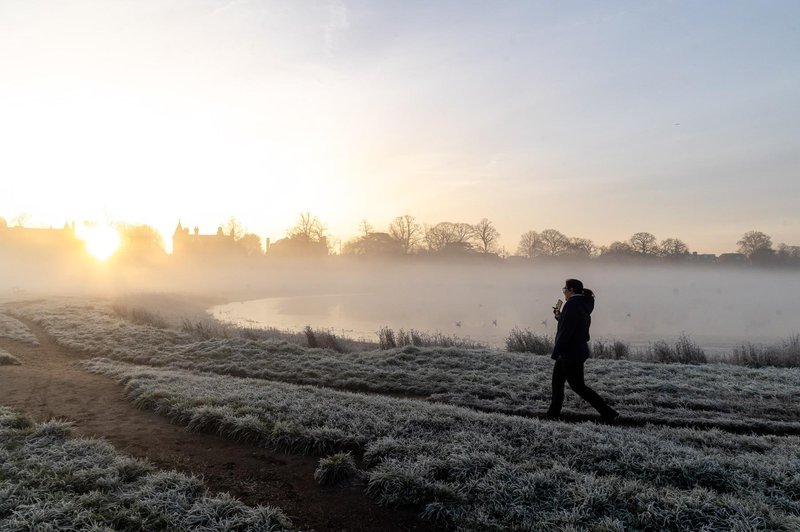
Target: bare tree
<point>21,219</point>
<point>365,227</point>
<point>787,251</point>
<point>462,233</point>
<point>251,243</point>
<point>140,237</point>
<point>486,235</point>
<point>233,227</point>
<point>407,231</point>
<point>554,243</point>
<point>672,247</point>
<point>752,242</point>
<point>617,248</point>
<point>374,244</point>
<point>582,247</point>
<point>308,227</point>
<point>529,244</point>
<point>644,243</point>
<point>439,236</point>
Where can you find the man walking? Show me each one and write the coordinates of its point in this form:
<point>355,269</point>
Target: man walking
<point>571,350</point>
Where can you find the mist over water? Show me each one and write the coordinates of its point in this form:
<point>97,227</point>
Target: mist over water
<point>719,308</point>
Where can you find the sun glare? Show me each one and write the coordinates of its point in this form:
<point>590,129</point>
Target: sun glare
<point>101,242</point>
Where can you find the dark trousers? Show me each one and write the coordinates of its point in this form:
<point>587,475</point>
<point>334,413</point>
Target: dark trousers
<point>572,372</point>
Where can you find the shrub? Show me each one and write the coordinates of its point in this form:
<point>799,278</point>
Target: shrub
<point>205,330</point>
<point>311,338</point>
<point>386,338</point>
<point>323,339</point>
<point>140,316</point>
<point>684,351</point>
<point>784,355</point>
<point>336,469</point>
<point>526,341</point>
<point>614,350</point>
<point>328,340</point>
<point>689,352</point>
<point>389,340</point>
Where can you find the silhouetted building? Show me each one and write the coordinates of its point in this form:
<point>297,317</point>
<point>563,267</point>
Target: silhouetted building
<point>185,243</point>
<point>41,241</point>
<point>732,258</point>
<point>299,246</point>
<point>703,258</point>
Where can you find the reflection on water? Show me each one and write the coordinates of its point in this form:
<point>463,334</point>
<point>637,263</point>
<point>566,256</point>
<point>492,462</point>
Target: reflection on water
<point>360,316</point>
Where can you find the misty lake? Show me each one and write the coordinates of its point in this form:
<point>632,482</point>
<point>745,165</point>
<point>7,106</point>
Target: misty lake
<point>719,310</point>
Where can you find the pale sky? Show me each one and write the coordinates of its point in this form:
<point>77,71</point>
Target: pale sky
<point>600,119</point>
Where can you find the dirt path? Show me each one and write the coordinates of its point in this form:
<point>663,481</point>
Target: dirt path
<point>48,385</point>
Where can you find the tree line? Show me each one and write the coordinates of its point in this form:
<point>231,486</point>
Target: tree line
<point>406,236</point>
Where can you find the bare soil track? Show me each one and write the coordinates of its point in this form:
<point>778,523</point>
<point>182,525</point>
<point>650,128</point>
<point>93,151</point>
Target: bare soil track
<point>48,385</point>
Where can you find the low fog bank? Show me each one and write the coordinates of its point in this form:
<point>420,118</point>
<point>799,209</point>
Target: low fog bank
<point>484,300</point>
<point>718,307</point>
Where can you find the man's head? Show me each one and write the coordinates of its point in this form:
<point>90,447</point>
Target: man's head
<point>572,287</point>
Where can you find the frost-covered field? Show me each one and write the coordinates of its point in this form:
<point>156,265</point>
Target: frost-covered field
<point>476,470</point>
<point>51,481</point>
<point>479,470</point>
<point>7,359</point>
<point>711,395</point>
<point>14,329</point>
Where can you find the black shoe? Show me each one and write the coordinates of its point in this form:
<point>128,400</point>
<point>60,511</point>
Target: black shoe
<point>552,417</point>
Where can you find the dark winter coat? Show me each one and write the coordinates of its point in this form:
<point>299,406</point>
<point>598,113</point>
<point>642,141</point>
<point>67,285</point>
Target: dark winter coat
<point>572,335</point>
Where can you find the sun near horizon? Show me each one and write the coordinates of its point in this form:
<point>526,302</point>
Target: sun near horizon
<point>533,115</point>
<point>101,241</point>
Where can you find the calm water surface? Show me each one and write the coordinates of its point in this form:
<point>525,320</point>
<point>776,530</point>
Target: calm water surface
<point>488,317</point>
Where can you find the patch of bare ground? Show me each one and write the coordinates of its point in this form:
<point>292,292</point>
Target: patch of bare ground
<point>48,385</point>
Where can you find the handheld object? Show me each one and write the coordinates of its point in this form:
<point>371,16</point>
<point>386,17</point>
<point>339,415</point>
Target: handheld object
<point>557,308</point>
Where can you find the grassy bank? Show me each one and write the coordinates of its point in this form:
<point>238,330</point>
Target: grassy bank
<point>52,481</point>
<point>710,395</point>
<point>479,471</point>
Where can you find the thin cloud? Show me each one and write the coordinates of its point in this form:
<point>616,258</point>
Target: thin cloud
<point>337,23</point>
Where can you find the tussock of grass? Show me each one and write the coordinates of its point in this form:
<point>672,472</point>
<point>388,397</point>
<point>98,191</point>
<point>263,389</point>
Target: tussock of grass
<point>526,341</point>
<point>206,329</point>
<point>785,354</point>
<point>322,339</point>
<point>614,350</point>
<point>140,316</point>
<point>337,469</point>
<point>14,329</point>
<point>52,481</point>
<point>683,351</point>
<point>479,471</point>
<point>388,339</point>
<point>7,359</point>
